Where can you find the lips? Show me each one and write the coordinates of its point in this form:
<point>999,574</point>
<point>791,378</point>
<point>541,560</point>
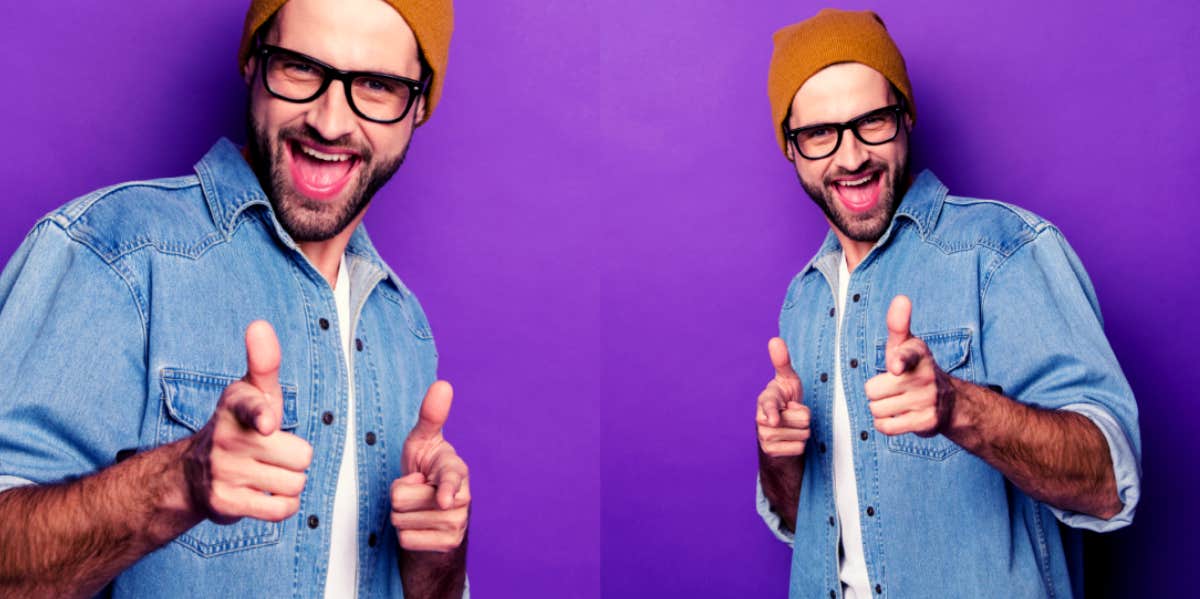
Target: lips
<point>320,173</point>
<point>858,193</point>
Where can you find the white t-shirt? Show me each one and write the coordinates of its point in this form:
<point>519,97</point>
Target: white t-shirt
<point>342,579</point>
<point>856,583</point>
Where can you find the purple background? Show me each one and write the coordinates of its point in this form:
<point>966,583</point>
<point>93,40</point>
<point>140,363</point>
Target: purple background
<point>601,229</point>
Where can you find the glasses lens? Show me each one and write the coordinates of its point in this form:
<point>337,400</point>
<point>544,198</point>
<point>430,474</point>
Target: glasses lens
<point>877,127</point>
<point>817,142</point>
<point>380,98</point>
<point>293,77</point>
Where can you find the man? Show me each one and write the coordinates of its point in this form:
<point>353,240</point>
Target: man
<point>943,390</point>
<point>146,449</point>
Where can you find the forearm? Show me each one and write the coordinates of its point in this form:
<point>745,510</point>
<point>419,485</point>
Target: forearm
<point>71,539</point>
<point>1058,457</point>
<point>780,479</point>
<point>434,575</point>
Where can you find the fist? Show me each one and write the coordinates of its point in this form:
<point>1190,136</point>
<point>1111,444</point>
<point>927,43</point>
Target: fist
<point>913,395</point>
<point>782,417</point>
<point>431,502</point>
<point>240,464</point>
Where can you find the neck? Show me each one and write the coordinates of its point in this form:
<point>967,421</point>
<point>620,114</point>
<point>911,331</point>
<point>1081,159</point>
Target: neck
<point>326,256</point>
<point>854,251</point>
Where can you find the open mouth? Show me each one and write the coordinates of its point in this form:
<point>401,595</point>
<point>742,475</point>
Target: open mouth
<point>859,193</point>
<point>320,173</point>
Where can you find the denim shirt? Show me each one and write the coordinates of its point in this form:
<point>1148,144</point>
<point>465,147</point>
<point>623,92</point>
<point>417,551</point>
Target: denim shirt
<point>1002,301</point>
<point>122,317</point>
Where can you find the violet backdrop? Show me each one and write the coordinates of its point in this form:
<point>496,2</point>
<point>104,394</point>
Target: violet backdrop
<point>601,228</point>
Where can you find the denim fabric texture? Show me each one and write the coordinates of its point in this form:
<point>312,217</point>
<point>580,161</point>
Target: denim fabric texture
<point>123,316</point>
<point>1001,300</point>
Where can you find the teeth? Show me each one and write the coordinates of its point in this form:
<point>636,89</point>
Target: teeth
<point>324,156</point>
<point>856,182</point>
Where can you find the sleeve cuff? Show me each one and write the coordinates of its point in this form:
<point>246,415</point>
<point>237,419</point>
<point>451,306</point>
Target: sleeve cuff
<point>774,522</point>
<point>11,482</point>
<point>1126,471</point>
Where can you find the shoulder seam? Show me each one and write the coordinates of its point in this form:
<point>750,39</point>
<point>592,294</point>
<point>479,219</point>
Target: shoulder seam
<point>120,274</point>
<point>989,276</point>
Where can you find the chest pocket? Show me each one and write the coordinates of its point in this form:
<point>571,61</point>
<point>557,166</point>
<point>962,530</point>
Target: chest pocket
<point>189,399</point>
<point>952,351</point>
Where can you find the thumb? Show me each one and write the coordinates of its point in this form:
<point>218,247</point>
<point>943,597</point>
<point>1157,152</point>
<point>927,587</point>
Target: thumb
<point>780,359</point>
<point>435,409</point>
<point>262,370</point>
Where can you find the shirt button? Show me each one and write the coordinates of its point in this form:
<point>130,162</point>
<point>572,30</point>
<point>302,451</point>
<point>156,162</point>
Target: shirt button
<point>878,589</point>
<point>324,322</point>
<point>358,344</point>
<point>856,297</point>
<point>313,521</point>
<point>863,435</point>
<point>832,522</point>
<point>327,417</point>
<point>822,447</point>
<point>831,312</point>
<point>370,438</point>
<point>832,595</point>
<point>824,377</point>
<point>373,540</point>
<point>870,511</point>
<point>854,362</point>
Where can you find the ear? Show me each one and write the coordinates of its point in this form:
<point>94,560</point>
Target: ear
<point>791,152</point>
<point>419,109</point>
<point>248,70</point>
<point>908,122</point>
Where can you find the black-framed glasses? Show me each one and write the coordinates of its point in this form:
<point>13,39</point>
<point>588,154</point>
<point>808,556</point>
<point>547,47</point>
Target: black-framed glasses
<point>873,128</point>
<point>377,97</point>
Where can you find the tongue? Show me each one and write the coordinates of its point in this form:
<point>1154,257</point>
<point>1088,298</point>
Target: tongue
<point>860,197</point>
<point>320,173</point>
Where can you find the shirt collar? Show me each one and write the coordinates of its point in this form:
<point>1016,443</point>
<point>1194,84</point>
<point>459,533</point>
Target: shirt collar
<point>922,204</point>
<point>231,187</point>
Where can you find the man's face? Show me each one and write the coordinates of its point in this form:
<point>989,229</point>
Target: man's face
<point>319,162</point>
<point>858,187</point>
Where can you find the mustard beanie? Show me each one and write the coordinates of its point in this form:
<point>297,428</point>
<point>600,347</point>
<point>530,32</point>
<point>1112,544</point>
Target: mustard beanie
<point>832,36</point>
<point>432,22</point>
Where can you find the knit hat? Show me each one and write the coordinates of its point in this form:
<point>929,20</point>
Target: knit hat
<point>832,36</point>
<point>432,22</point>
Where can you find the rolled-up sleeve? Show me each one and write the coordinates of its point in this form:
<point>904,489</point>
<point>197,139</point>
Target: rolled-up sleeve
<point>1126,471</point>
<point>1043,342</point>
<point>774,522</point>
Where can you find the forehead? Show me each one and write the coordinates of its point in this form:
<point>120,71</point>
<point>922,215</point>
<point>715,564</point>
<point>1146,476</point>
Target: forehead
<point>838,93</point>
<point>366,35</point>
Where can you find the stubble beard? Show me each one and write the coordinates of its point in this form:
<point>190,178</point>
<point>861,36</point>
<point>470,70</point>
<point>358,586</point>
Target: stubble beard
<point>867,226</point>
<point>304,218</point>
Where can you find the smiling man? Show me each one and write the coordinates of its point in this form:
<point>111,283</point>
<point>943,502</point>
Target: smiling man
<point>944,393</point>
<point>216,386</point>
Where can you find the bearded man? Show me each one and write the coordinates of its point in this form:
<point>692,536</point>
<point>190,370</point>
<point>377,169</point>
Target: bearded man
<point>216,385</point>
<point>944,394</point>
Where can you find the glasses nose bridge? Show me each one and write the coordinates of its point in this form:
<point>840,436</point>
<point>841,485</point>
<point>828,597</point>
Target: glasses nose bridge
<point>853,157</point>
<point>331,116</point>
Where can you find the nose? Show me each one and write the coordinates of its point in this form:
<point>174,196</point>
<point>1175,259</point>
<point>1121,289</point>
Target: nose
<point>330,115</point>
<point>852,154</point>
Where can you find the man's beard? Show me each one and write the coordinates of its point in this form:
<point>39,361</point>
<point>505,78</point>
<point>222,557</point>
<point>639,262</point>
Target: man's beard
<point>868,226</point>
<point>306,219</point>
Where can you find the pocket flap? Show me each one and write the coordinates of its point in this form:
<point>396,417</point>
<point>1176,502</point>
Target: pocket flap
<point>191,397</point>
<point>949,348</point>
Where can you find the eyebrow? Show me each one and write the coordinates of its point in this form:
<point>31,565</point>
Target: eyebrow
<point>849,120</point>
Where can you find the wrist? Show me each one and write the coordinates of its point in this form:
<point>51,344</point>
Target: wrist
<point>962,419</point>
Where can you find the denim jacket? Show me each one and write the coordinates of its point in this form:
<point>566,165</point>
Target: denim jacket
<point>122,317</point>
<point>1002,301</point>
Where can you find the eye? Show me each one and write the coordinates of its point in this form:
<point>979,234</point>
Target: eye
<point>376,86</point>
<point>817,133</point>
